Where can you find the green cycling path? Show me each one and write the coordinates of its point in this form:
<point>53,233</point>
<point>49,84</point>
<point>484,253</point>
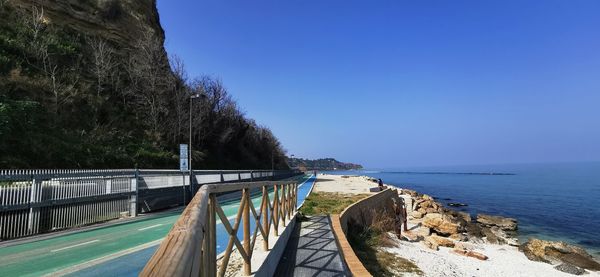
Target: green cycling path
<point>57,253</point>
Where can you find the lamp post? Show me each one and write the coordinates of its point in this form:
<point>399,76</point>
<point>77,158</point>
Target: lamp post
<point>192,97</point>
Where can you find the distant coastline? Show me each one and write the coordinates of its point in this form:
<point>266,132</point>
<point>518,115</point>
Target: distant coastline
<point>326,164</point>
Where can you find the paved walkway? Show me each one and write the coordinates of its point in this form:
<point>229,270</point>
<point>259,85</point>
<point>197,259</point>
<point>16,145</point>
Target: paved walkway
<point>312,251</point>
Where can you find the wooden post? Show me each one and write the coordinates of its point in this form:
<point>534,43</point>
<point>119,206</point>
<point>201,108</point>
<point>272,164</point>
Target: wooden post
<point>289,202</point>
<point>284,203</point>
<point>265,217</point>
<point>295,197</point>
<point>276,210</point>
<point>212,237</point>
<point>246,218</point>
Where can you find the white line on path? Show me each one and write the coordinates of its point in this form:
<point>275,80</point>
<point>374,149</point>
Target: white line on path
<point>150,227</point>
<point>75,245</point>
<point>100,260</point>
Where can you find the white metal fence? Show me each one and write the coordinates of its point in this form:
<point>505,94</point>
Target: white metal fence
<point>38,201</point>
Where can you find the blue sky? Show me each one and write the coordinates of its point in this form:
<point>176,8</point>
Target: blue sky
<point>405,83</point>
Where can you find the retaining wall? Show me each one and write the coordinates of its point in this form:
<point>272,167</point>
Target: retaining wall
<point>361,213</point>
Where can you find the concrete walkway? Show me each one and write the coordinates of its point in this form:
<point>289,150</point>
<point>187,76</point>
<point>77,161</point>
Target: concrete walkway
<point>312,251</point>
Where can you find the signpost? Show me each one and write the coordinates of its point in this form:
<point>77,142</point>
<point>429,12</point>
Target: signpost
<point>183,158</point>
<point>184,165</point>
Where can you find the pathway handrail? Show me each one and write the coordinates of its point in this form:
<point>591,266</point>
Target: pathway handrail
<point>189,249</point>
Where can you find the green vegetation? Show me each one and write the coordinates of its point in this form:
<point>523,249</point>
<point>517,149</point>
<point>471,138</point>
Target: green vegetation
<point>367,243</point>
<point>328,203</point>
<point>74,95</point>
<point>322,164</point>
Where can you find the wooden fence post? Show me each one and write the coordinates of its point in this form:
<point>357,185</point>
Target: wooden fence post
<point>246,218</point>
<point>265,217</point>
<point>212,237</point>
<point>275,214</point>
<point>283,204</point>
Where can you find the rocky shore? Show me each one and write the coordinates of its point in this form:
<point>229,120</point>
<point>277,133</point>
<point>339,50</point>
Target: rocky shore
<point>435,226</point>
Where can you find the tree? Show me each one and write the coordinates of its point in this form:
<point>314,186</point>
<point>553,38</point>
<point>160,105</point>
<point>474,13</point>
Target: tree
<point>150,82</point>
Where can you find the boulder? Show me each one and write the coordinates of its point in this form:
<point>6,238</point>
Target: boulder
<point>490,236</point>
<point>459,237</point>
<point>440,241</point>
<point>423,231</point>
<point>474,230</point>
<point>505,223</point>
<point>441,224</point>
<point>427,197</point>
<point>569,268</point>
<point>555,252</point>
<point>470,253</point>
<point>463,217</point>
<point>409,192</point>
<point>431,244</point>
<point>504,237</point>
<point>417,214</point>
<point>463,246</point>
<point>431,210</point>
<point>411,236</point>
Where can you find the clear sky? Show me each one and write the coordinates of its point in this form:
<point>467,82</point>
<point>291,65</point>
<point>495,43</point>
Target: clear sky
<point>405,83</point>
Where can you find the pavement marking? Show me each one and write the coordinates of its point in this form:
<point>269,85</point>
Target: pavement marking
<point>150,227</point>
<point>305,181</point>
<point>101,260</point>
<point>75,245</point>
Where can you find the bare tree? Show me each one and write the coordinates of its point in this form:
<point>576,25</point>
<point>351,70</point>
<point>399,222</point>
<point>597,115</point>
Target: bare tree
<point>150,81</point>
<point>38,45</point>
<point>103,62</point>
<point>181,94</point>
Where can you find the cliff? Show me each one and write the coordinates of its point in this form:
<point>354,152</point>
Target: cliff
<point>118,21</point>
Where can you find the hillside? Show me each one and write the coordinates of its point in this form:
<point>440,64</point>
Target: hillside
<point>88,84</point>
<point>321,164</point>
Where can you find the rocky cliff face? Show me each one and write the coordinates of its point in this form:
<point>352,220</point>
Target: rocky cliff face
<point>121,22</point>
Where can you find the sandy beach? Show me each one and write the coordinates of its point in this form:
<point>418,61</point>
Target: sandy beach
<point>503,260</point>
<point>343,184</point>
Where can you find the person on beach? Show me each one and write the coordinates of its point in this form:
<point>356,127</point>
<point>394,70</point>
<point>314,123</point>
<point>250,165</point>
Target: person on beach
<point>380,184</point>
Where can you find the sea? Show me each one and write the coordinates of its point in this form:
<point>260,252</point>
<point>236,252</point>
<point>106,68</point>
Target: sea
<point>554,201</point>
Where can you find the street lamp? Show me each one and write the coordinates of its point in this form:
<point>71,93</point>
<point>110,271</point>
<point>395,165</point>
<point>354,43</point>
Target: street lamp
<point>192,97</point>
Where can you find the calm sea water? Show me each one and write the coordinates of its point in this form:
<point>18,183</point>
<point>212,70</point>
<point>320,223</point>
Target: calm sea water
<point>551,201</point>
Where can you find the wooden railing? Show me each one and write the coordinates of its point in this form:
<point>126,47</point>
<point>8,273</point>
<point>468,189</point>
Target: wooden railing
<point>190,247</point>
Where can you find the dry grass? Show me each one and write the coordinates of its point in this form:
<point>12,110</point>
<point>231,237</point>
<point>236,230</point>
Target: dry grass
<point>328,202</point>
<point>368,243</point>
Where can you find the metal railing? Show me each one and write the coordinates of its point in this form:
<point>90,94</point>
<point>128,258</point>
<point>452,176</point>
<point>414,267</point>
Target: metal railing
<point>39,201</point>
<point>190,247</point>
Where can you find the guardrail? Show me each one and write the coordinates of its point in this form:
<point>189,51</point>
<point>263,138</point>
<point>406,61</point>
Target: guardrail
<point>190,247</point>
<point>37,201</point>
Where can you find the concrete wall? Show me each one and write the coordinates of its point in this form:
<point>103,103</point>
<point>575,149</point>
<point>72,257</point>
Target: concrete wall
<point>361,212</point>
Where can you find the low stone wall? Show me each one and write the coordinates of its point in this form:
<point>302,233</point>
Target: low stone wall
<point>362,212</point>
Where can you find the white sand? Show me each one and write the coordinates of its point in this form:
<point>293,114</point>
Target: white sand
<point>503,261</point>
<point>337,184</point>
